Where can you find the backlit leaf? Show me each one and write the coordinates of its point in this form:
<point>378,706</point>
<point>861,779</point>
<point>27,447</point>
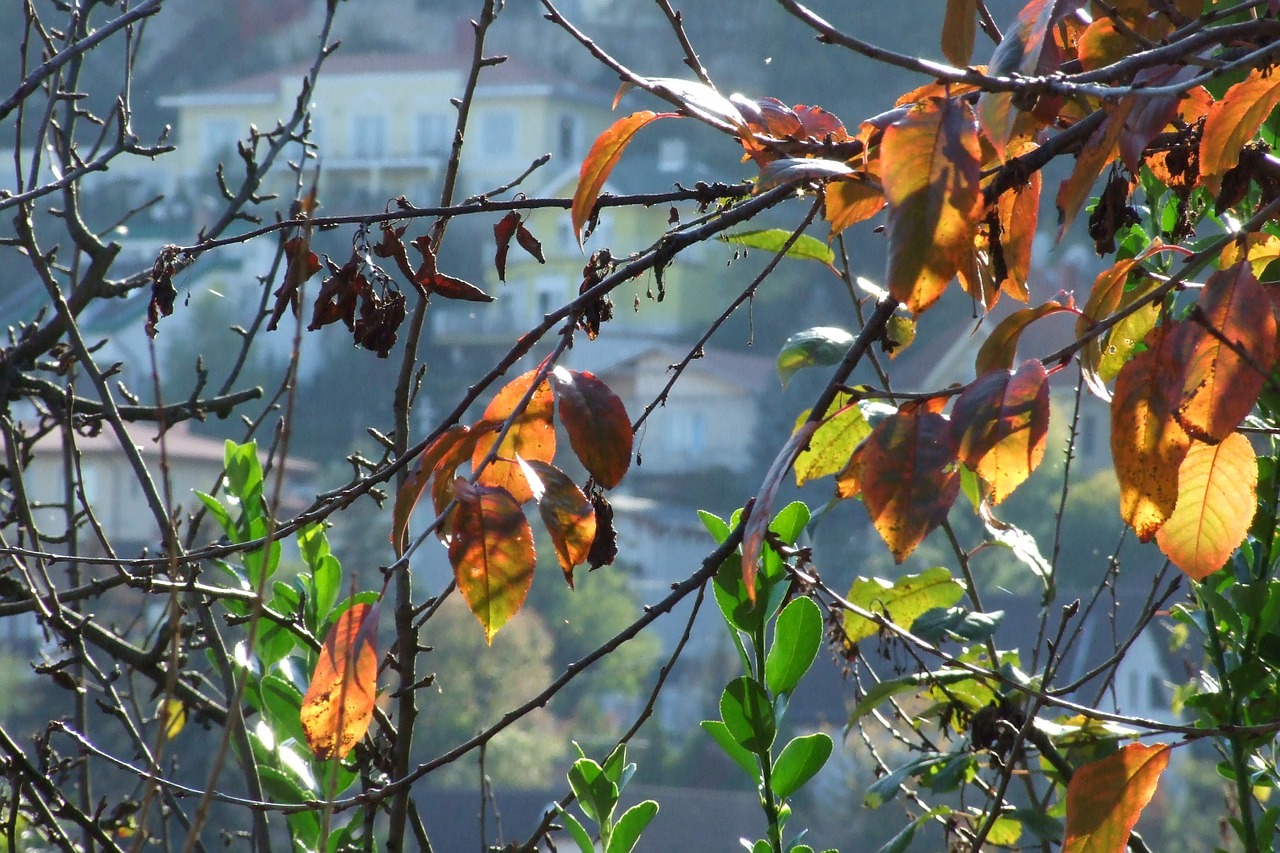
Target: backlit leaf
<point>532,435</point>
<point>773,239</point>
<point>929,166</point>
<point>851,200</point>
<point>959,28</point>
<point>799,761</point>
<point>1000,348</point>
<point>1147,443</point>
<point>339,703</point>
<point>790,170</point>
<point>458,451</point>
<point>597,423</point>
<point>492,554</point>
<point>1111,290</point>
<point>600,161</point>
<point>1017,211</point>
<point>416,483</point>
<point>816,347</point>
<point>502,234</point>
<point>172,716</point>
<point>1232,121</point>
<point>1000,424</point>
<point>902,601</point>
<point>834,442</point>
<point>1105,798</point>
<point>1221,382</point>
<point>1217,486</point>
<point>907,470</point>
<point>568,515</point>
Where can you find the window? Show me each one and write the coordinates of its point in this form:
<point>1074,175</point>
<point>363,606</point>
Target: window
<point>498,133</point>
<point>369,136</point>
<point>549,293</point>
<point>567,137</point>
<point>219,138</point>
<point>431,135</point>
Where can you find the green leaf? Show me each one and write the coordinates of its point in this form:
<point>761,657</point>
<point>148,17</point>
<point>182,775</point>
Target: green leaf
<point>633,821</point>
<point>903,601</point>
<point>747,712</point>
<point>220,515</point>
<point>244,474</point>
<point>282,705</point>
<point>731,594</point>
<point>799,761</point>
<point>816,347</point>
<point>940,624</point>
<point>720,734</point>
<point>797,635</point>
<point>905,684</point>
<point>886,787</point>
<point>790,521</point>
<point>579,833</point>
<point>1044,826</point>
<point>773,239</point>
<point>617,768</point>
<point>834,442</point>
<point>715,525</point>
<point>596,792</point>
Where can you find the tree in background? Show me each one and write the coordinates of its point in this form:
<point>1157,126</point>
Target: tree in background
<point>205,697</point>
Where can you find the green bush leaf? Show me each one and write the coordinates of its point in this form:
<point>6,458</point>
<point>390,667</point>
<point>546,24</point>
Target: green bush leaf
<point>633,821</point>
<point>596,792</point>
<point>797,636</point>
<point>715,525</point>
<point>944,623</point>
<point>816,347</point>
<point>747,712</point>
<point>904,684</point>
<point>799,761</point>
<point>576,829</point>
<point>731,594</point>
<point>886,787</point>
<point>720,734</point>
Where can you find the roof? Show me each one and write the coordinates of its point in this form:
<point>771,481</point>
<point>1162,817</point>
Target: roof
<point>745,371</point>
<point>180,444</point>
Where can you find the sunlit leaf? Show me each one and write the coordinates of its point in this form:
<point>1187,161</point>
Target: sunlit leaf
<point>1222,380</point>
<point>600,161</point>
<point>1217,488</point>
<point>1112,290</point>
<point>1000,348</point>
<point>1000,424</point>
<point>907,470</point>
<point>1147,443</point>
<point>902,601</point>
<point>339,703</point>
<point>854,199</point>
<point>699,100</point>
<point>456,453</point>
<point>816,347</point>
<point>597,423</point>
<point>1017,211</point>
<point>172,716</point>
<point>492,554</point>
<point>1263,250</point>
<point>1105,798</point>
<point>416,483</point>
<point>568,515</point>
<point>790,170</point>
<point>833,443</point>
<point>773,239</point>
<point>532,435</point>
<point>959,29</point>
<point>1233,120</point>
<point>929,166</point>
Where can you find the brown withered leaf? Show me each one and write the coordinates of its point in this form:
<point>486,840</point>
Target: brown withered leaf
<point>604,548</point>
<point>302,264</point>
<point>502,234</point>
<point>391,246</point>
<point>163,293</point>
<point>339,295</point>
<point>530,243</point>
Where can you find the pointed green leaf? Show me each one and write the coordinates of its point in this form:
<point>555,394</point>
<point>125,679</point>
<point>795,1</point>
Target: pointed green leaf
<point>797,636</point>
<point>633,821</point>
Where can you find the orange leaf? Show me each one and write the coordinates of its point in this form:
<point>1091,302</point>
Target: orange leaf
<point>461,446</point>
<point>568,515</point>
<point>1217,484</point>
<point>416,483</point>
<point>597,423</point>
<point>1147,443</point>
<point>999,349</point>
<point>492,554</point>
<point>1017,211</point>
<point>959,28</point>
<point>851,200</point>
<point>907,469</point>
<point>600,161</point>
<point>339,703</point>
<point>1105,798</point>
<point>532,435</point>
<point>1223,382</point>
<point>1000,424</point>
<point>1232,121</point>
<point>1100,149</point>
<point>929,167</point>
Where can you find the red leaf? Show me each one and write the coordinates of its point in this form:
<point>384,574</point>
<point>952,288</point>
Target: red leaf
<point>1105,798</point>
<point>492,554</point>
<point>416,483</point>
<point>530,243</point>
<point>532,435</point>
<point>907,470</point>
<point>502,234</point>
<point>929,167</point>
<point>339,703</point>
<point>600,161</point>
<point>1000,424</point>
<point>302,264</point>
<point>597,423</point>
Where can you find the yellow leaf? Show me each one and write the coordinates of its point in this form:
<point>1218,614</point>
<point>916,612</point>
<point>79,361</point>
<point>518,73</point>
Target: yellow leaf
<point>172,715</point>
<point>1217,490</point>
